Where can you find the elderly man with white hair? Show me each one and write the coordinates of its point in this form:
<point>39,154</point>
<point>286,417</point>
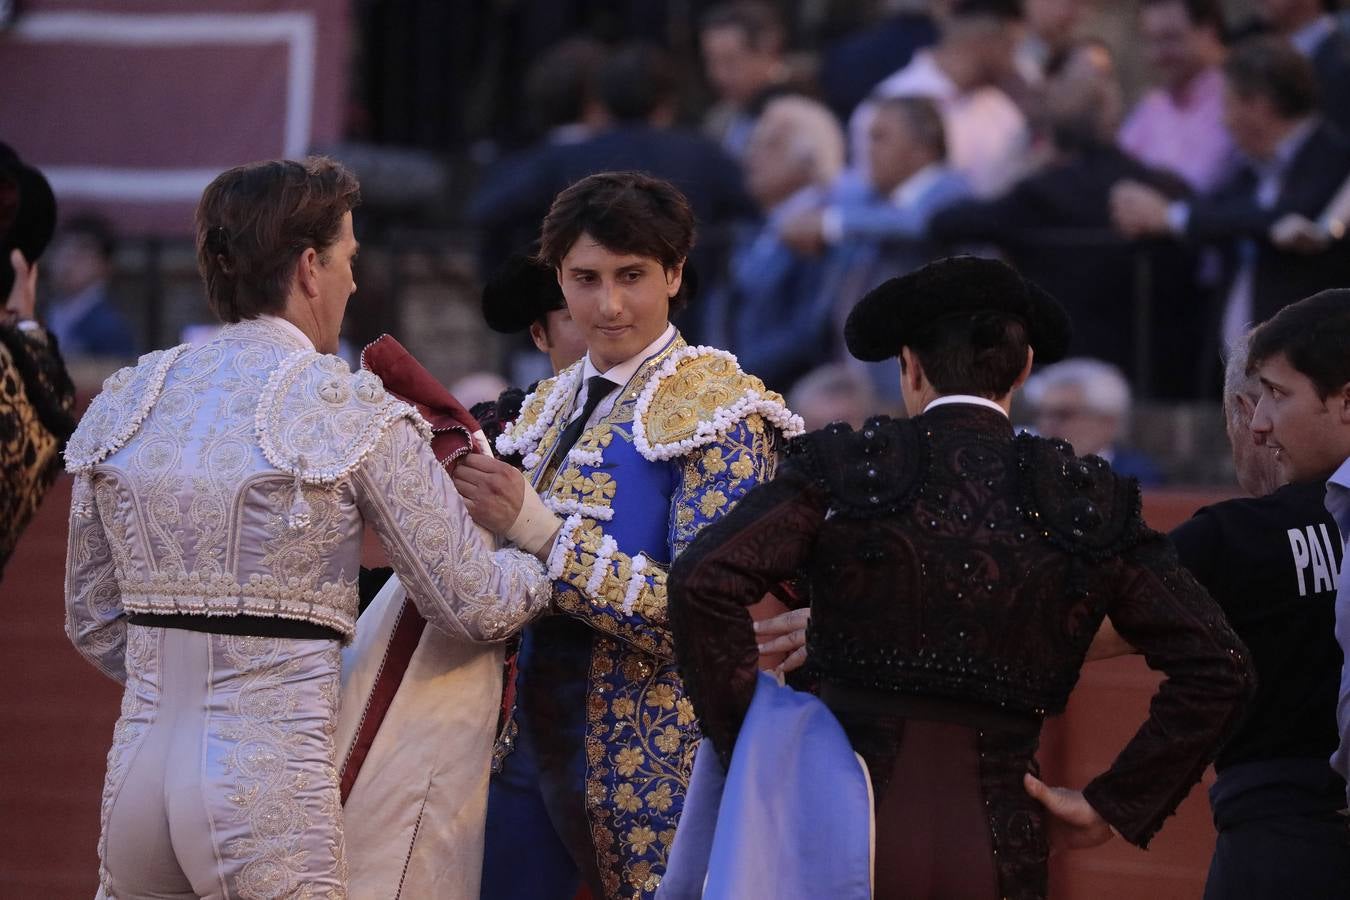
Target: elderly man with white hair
<point>771,311</point>
<point>1087,403</point>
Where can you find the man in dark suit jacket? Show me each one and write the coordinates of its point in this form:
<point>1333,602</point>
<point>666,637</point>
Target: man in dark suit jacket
<point>1296,162</point>
<point>1321,35</point>
<point>851,66</point>
<point>637,87</point>
<point>1054,226</point>
<point>83,313</point>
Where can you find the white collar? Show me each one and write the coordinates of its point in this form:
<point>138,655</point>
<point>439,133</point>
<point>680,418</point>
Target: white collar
<point>625,370</point>
<point>290,329</point>
<point>1308,38</point>
<point>1342,475</point>
<point>1293,142</point>
<point>924,72</point>
<point>966,398</point>
<point>909,190</point>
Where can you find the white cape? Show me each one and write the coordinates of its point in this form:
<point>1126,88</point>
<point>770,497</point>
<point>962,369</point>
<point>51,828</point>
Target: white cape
<point>415,816</point>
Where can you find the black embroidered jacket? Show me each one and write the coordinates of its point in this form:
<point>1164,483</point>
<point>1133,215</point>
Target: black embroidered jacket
<point>946,558</point>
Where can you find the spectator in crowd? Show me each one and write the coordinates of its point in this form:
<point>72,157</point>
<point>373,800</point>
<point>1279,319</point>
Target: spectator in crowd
<point>879,233</point>
<point>564,108</point>
<point>1295,162</point>
<point>833,393</point>
<point>82,313</point>
<point>1310,26</point>
<point>852,65</point>
<point>1087,403</point>
<point>637,86</point>
<point>1269,561</point>
<point>743,45</point>
<point>986,132</point>
<point>1054,224</point>
<point>908,177</point>
<point>560,92</point>
<point>772,305</point>
<point>1050,27</point>
<point>1303,415</point>
<point>1301,234</point>
<point>1178,125</point>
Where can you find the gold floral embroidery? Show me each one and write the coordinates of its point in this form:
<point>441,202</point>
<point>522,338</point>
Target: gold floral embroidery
<point>669,741</point>
<point>662,798</point>
<point>597,437</point>
<point>644,738</point>
<point>662,696</point>
<point>713,462</point>
<point>570,484</point>
<point>626,799</point>
<point>640,838</point>
<point>628,760</point>
<point>685,711</point>
<point>711,503</point>
<point>599,489</point>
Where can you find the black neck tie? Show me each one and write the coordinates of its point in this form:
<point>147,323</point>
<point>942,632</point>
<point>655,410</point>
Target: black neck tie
<point>598,387</point>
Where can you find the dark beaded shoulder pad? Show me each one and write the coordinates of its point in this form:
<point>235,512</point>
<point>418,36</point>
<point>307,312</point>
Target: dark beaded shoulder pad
<point>1079,504</point>
<point>867,472</point>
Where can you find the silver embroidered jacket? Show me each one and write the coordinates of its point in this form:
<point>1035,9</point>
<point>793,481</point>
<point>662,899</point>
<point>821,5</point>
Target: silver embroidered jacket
<point>235,477</point>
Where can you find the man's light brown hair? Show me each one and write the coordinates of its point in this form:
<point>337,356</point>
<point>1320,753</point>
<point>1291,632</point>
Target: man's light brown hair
<point>254,221</point>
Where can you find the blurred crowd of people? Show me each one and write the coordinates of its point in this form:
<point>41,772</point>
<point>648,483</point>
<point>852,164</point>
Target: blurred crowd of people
<point>823,161</point>
<point>991,126</point>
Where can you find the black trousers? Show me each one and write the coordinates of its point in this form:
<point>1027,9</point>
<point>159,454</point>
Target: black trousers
<point>1282,832</point>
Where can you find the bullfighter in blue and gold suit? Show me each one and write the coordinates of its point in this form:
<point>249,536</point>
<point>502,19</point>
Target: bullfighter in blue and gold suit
<point>594,782</point>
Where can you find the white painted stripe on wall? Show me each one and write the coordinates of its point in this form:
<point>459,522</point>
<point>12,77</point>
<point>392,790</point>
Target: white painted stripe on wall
<point>140,185</point>
<point>297,30</point>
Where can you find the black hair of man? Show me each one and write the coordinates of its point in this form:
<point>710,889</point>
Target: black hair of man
<point>1270,67</point>
<point>625,212</point>
<point>1313,334</point>
<point>759,23</point>
<point>1010,10</point>
<point>636,81</point>
<point>95,229</point>
<point>1202,13</point>
<point>980,354</point>
<point>923,120</point>
<point>560,82</point>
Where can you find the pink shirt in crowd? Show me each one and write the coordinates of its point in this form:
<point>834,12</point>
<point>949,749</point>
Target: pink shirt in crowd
<point>1184,135</point>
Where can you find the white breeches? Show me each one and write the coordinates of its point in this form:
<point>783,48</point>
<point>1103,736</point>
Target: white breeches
<point>221,781</point>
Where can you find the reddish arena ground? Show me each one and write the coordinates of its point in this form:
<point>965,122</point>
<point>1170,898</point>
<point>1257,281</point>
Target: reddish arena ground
<point>58,714</point>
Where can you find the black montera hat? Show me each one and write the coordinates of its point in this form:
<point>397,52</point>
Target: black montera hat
<point>896,313</point>
<point>521,292</point>
<point>27,214</point>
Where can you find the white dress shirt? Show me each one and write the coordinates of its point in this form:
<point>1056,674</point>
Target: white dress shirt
<point>619,374</point>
